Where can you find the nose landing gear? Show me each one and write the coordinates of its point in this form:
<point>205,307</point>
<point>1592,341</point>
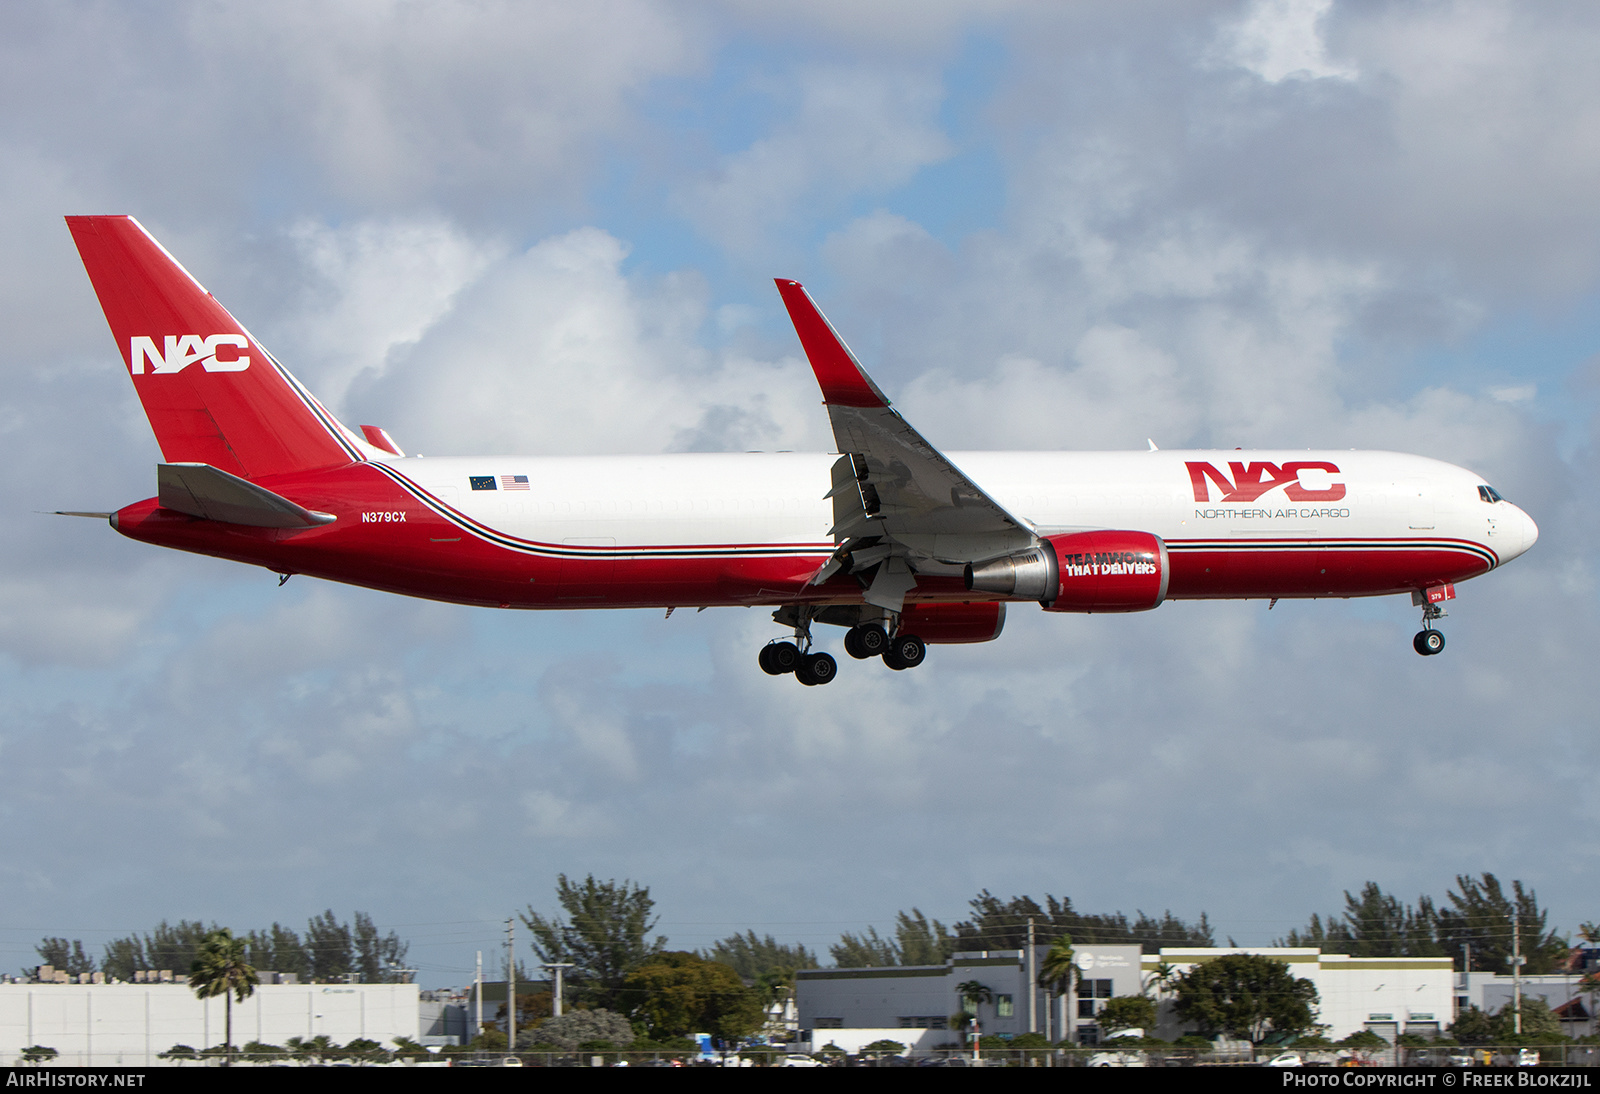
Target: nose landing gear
<point>1429,641</point>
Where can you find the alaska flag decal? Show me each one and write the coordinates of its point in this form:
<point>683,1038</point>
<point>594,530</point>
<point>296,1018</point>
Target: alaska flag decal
<point>481,482</point>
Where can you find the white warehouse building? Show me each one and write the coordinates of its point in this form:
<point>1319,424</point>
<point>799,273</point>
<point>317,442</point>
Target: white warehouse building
<point>109,1025</point>
<point>1387,995</point>
<point>915,1004</point>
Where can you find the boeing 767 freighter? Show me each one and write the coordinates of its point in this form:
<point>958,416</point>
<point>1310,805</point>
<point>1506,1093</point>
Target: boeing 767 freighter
<point>899,543</point>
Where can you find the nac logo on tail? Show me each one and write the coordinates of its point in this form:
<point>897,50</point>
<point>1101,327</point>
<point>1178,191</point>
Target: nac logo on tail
<point>182,350</point>
<point>1252,480</point>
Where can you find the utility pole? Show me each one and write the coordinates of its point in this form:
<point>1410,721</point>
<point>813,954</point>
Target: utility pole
<point>1033,984</point>
<point>477,980</point>
<point>511,985</point>
<point>1516,969</point>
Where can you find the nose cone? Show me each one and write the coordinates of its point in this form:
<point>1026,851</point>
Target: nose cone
<point>1524,533</point>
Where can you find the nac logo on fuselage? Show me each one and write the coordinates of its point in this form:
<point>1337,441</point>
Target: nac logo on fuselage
<point>1252,480</point>
<point>179,351</point>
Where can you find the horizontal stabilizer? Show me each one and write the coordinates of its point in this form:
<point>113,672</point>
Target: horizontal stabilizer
<point>201,490</point>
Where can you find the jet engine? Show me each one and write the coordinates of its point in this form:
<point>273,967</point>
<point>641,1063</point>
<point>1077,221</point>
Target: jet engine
<point>1102,571</point>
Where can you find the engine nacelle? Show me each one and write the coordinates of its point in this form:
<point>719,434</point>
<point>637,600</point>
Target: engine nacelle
<point>947,624</point>
<point>1109,571</point>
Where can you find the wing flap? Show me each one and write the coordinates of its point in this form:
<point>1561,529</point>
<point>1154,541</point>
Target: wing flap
<point>210,493</point>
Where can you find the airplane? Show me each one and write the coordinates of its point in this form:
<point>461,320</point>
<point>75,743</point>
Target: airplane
<point>902,545</point>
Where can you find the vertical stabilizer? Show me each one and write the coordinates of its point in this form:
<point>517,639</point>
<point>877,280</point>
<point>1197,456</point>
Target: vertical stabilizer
<point>212,393</point>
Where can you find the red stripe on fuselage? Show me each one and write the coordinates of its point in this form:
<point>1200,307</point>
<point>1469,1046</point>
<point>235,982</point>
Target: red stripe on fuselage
<point>1328,568</point>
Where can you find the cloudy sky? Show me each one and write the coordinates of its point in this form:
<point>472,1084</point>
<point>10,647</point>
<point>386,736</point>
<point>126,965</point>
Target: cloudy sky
<point>551,228</point>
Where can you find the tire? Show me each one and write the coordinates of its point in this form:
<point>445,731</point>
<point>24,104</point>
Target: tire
<point>1428,643</point>
<point>905,651</point>
<point>819,668</point>
<point>867,640</point>
<point>778,658</point>
<point>852,645</point>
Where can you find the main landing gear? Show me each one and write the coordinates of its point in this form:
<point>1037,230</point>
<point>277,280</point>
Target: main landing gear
<point>903,651</point>
<point>810,669</point>
<point>862,641</point>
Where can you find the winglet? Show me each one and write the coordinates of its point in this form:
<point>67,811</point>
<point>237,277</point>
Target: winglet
<point>842,379</point>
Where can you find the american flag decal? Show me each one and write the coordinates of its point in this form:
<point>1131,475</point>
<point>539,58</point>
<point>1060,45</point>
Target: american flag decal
<point>513,482</point>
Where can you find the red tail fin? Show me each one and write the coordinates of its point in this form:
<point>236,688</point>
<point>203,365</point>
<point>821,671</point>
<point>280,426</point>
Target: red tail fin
<point>212,394</point>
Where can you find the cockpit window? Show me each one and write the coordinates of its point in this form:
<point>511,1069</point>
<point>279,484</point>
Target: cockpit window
<point>1489,494</point>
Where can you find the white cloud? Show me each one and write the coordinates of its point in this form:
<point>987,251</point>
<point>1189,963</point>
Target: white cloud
<point>1282,39</point>
<point>556,351</point>
<point>377,287</point>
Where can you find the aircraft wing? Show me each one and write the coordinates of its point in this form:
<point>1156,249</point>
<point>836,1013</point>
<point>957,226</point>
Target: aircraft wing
<point>894,495</point>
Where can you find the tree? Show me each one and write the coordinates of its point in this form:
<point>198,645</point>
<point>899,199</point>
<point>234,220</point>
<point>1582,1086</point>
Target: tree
<point>1375,924</point>
<point>67,957</point>
<point>883,1047</point>
<point>329,949</point>
<point>1059,969</point>
<point>754,958</point>
<point>764,963</point>
<point>571,1030</point>
<point>1246,996</point>
<point>279,949</point>
<point>1128,1012</point>
<point>677,993</point>
<point>1003,925</point>
<point>176,946</point>
<point>1480,916</point>
<point>317,1048</point>
<point>865,950</point>
<point>974,993</point>
<point>378,957</point>
<point>122,958</point>
<point>222,969</point>
<point>918,940</point>
<point>1334,938</point>
<point>1473,1027</point>
<point>604,934</point>
<point>1540,1025</point>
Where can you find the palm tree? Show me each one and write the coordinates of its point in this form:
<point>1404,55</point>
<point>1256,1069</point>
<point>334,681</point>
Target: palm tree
<point>973,995</point>
<point>221,969</point>
<point>1058,971</point>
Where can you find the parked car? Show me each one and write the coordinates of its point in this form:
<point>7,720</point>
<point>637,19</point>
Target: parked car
<point>800,1059</point>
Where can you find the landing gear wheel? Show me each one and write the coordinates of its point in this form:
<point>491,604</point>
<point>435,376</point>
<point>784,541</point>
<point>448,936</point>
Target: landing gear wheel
<point>777,658</point>
<point>867,640</point>
<point>905,651</point>
<point>817,668</point>
<point>1428,642</point>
